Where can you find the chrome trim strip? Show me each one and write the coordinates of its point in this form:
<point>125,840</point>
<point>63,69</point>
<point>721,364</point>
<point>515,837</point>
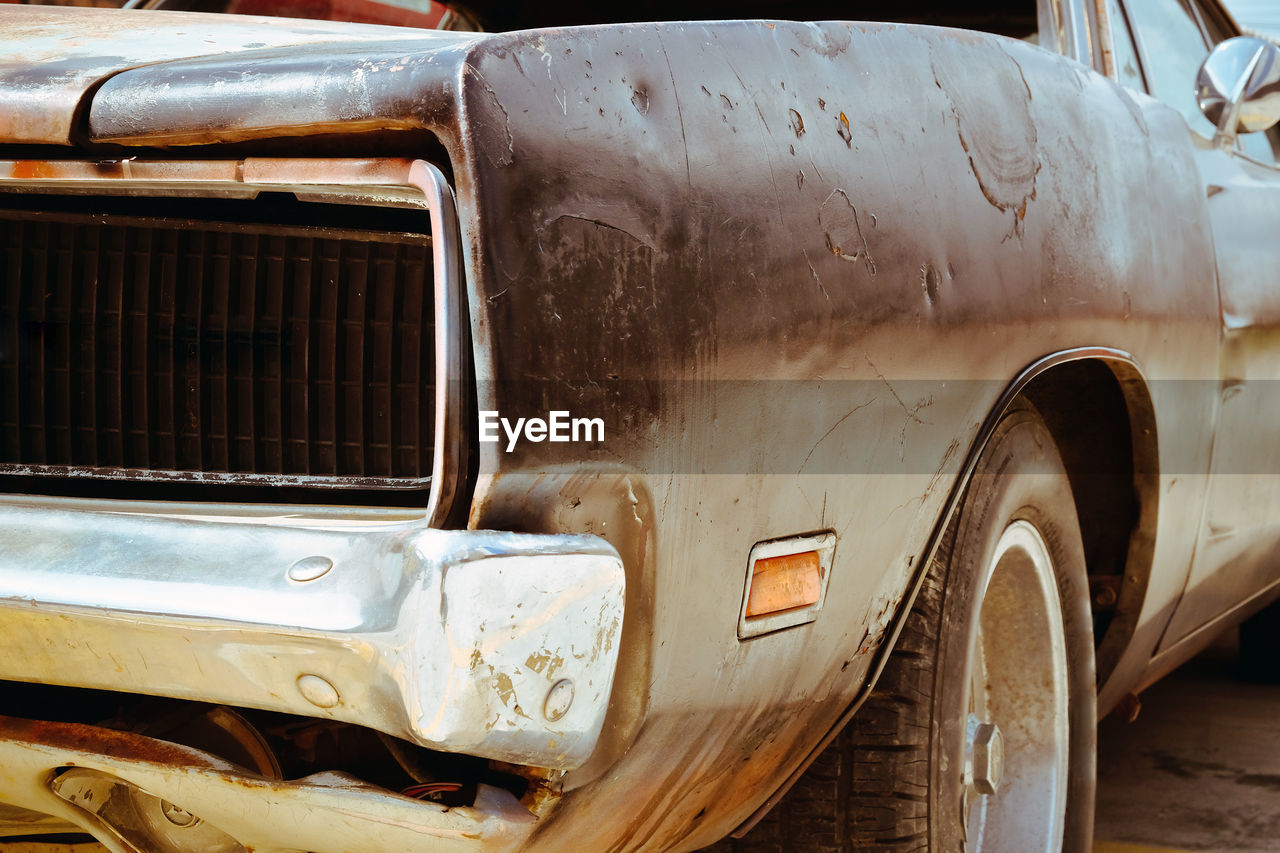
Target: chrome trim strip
<point>160,475</point>
<point>446,249</point>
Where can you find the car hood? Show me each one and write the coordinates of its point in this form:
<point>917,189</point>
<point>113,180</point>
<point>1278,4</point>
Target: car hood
<point>147,77</point>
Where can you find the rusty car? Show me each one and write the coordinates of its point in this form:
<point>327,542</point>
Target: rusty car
<point>607,427</point>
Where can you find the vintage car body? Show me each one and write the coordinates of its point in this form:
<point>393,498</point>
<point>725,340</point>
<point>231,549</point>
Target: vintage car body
<point>799,270</point>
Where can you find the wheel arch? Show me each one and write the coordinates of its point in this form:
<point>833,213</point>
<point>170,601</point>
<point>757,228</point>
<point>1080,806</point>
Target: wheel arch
<point>1099,411</point>
<point>1085,394</point>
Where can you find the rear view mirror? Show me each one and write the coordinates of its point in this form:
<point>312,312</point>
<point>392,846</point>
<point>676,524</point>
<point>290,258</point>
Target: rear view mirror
<point>1238,87</point>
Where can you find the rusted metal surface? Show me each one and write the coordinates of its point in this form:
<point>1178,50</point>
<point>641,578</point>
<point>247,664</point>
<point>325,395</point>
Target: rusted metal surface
<point>797,268</point>
<point>323,812</point>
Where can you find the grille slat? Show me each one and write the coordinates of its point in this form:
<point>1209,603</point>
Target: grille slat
<point>294,427</point>
<point>10,329</point>
<point>325,354</point>
<point>58,415</point>
<point>269,319</point>
<point>134,347</point>
<point>352,382</point>
<point>188,377</point>
<point>135,405</point>
<point>111,436</point>
<point>162,447</point>
<point>380,343</point>
<point>84,356</point>
<point>31,348</point>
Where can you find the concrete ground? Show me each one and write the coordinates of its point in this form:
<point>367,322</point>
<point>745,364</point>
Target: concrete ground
<point>1200,768</point>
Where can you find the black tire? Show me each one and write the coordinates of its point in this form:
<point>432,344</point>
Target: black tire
<point>1259,660</point>
<point>889,782</point>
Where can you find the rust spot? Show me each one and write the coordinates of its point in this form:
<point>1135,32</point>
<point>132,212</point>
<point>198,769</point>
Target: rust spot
<point>544,662</point>
<point>842,128</point>
<point>797,123</point>
<point>541,794</point>
<point>506,691</point>
<point>108,742</point>
<point>25,169</point>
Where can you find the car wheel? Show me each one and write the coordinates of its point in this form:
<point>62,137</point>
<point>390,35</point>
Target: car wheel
<point>980,734</point>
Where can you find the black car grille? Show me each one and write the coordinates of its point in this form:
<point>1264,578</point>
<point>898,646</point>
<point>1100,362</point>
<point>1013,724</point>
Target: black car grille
<point>205,349</point>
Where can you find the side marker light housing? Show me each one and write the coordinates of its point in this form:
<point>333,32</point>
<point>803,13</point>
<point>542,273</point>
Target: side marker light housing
<point>786,583</point>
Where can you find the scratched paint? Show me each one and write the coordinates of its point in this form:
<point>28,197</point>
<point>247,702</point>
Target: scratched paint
<point>672,251</point>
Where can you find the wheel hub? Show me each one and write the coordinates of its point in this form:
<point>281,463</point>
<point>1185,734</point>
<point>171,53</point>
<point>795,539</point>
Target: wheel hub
<point>1017,675</point>
<point>984,753</point>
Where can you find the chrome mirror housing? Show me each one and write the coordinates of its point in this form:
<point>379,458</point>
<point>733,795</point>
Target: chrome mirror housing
<point>1238,87</point>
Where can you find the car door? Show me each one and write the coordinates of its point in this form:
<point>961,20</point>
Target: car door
<point>1238,551</point>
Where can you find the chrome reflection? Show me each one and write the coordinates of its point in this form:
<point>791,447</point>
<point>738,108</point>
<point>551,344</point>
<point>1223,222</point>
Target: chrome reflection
<point>1238,87</point>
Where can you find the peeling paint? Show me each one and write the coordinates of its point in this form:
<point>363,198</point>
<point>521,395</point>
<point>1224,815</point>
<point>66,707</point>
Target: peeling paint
<point>842,230</point>
<point>843,131</point>
<point>503,155</point>
<point>797,123</point>
<point>545,663</point>
<point>995,130</point>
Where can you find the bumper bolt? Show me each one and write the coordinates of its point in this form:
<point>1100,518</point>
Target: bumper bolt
<point>317,691</point>
<point>309,568</point>
<point>559,698</point>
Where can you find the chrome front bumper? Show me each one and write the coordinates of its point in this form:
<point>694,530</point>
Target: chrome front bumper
<point>499,645</point>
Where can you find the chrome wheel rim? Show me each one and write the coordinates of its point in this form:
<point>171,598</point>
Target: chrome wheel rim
<point>1017,736</point>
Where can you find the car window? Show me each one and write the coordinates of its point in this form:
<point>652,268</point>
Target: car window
<point>1173,46</point>
<point>1172,49</point>
<point>1128,67</point>
<point>1258,146</point>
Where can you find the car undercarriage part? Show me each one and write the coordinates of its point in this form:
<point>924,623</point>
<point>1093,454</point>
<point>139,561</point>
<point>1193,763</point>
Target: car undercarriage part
<point>136,793</point>
<point>218,730</point>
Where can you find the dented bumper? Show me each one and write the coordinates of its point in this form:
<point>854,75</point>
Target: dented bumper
<point>494,644</point>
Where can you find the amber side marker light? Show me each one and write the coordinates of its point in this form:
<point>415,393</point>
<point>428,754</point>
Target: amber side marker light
<point>781,583</point>
<point>786,583</point>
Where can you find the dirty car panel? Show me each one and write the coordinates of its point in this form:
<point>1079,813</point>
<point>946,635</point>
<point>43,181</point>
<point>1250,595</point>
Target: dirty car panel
<point>797,269</point>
